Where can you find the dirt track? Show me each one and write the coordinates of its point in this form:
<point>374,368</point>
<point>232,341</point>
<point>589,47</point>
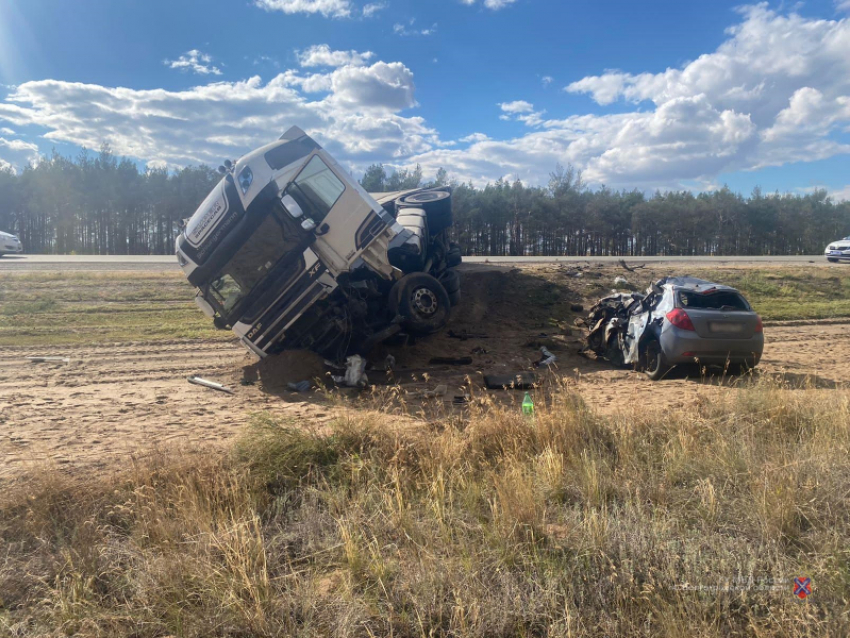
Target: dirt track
<point>117,402</point>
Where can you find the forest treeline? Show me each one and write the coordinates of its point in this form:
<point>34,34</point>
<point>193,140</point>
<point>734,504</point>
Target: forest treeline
<point>98,203</point>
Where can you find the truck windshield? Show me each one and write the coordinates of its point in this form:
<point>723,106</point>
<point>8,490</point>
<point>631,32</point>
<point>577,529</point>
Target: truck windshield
<point>250,264</point>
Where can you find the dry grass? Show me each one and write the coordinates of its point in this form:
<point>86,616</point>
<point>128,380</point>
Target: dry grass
<point>674,523</point>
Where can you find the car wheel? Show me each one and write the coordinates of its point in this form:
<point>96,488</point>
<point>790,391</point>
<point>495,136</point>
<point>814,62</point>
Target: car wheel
<point>423,303</point>
<point>832,259</point>
<point>655,365</point>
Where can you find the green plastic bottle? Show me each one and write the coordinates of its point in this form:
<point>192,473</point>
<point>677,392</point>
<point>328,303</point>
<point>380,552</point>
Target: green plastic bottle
<point>527,405</point>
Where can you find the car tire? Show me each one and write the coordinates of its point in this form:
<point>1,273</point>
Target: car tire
<point>831,259</point>
<point>437,206</point>
<point>422,302</point>
<point>654,362</point>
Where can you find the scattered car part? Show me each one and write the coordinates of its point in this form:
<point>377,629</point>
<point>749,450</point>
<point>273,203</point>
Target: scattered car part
<point>48,359</point>
<point>624,265</point>
<point>519,381</point>
<point>547,358</point>
<point>301,386</point>
<point>679,320</point>
<point>355,372</point>
<point>209,384</point>
<point>290,253</point>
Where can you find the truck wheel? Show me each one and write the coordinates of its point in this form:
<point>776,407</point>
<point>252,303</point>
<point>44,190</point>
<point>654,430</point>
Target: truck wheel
<point>423,303</point>
<point>655,365</point>
<point>451,281</point>
<point>437,206</point>
<point>454,257</point>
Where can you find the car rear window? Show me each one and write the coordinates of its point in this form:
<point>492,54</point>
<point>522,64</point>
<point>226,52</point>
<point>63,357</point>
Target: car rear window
<point>723,300</point>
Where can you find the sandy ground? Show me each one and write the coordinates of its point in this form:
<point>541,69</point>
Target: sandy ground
<point>110,404</point>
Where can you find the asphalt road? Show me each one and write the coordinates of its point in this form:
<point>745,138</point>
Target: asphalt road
<point>168,262</point>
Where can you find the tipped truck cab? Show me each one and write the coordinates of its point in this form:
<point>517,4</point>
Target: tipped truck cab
<point>290,252</point>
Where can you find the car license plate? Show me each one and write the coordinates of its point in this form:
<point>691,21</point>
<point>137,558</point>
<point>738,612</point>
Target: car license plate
<point>717,326</point>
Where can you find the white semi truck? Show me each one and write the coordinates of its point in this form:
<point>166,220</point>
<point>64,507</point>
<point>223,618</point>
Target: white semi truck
<point>291,253</point>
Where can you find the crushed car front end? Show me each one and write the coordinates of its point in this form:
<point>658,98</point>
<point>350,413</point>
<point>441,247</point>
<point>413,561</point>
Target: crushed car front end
<point>679,320</point>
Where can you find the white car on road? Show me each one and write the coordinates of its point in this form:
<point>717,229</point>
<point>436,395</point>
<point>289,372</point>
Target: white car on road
<point>9,244</point>
<point>838,250</point>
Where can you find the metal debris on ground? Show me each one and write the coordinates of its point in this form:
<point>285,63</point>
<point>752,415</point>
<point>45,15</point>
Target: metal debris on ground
<point>48,359</point>
<point>301,386</point>
<point>621,281</point>
<point>519,381</point>
<point>355,372</point>
<point>547,358</point>
<point>439,391</point>
<point>389,363</point>
<point>623,263</point>
<point>209,384</point>
<point>479,350</point>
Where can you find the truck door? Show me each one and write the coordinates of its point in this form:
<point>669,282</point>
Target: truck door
<point>345,218</point>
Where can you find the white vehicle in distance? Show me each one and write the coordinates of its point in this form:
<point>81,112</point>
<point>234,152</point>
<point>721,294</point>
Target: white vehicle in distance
<point>838,250</point>
<point>9,244</point>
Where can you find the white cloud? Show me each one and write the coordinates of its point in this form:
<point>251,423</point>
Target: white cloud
<point>6,131</point>
<point>842,5</point>
<point>475,137</point>
<point>328,8</point>
<point>495,5</point>
<point>407,29</point>
<point>519,106</point>
<point>776,91</point>
<point>322,55</point>
<point>547,80</point>
<point>358,118</point>
<point>373,8</point>
<point>195,61</point>
<point>16,154</point>
<point>841,195</point>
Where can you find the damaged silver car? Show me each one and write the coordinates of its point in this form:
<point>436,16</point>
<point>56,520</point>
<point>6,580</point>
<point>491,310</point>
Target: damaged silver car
<point>679,320</point>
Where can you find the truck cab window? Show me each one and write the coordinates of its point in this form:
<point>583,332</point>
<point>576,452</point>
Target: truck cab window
<point>316,189</point>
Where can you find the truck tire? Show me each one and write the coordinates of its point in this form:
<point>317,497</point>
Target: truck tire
<point>454,257</point>
<point>454,298</point>
<point>436,204</point>
<point>422,302</point>
<point>451,281</point>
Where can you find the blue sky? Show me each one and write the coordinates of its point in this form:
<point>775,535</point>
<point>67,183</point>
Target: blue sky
<point>656,94</point>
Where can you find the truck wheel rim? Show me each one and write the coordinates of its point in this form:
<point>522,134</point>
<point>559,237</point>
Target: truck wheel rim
<point>425,301</point>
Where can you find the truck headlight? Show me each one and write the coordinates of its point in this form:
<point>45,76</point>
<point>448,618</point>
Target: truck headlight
<point>246,178</point>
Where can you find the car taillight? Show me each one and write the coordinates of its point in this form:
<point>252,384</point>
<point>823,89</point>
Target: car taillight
<point>680,319</point>
<point>759,326</point>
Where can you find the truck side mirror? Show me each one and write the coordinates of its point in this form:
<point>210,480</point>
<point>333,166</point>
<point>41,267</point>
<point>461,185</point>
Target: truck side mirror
<point>291,206</point>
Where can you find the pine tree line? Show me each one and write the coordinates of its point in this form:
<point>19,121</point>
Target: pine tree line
<point>101,204</point>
